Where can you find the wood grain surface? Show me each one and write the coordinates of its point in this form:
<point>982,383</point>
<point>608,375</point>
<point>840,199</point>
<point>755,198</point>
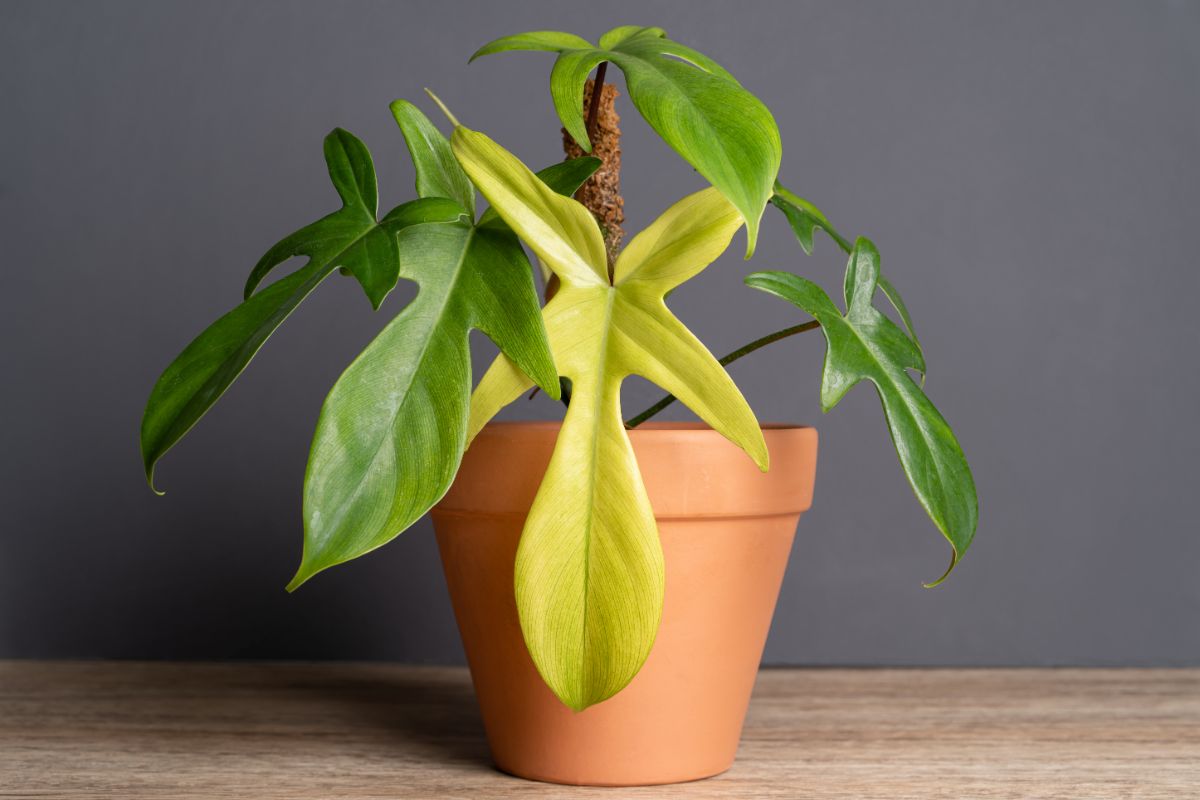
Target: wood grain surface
<point>158,730</point>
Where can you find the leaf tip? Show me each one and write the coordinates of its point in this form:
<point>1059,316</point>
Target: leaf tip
<point>481,52</point>
<point>759,454</point>
<point>751,235</point>
<point>453,119</point>
<point>149,460</point>
<point>954,557</point>
<point>302,575</point>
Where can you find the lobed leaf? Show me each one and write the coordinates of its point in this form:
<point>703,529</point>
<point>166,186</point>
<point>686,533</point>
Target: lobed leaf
<point>863,344</point>
<point>392,431</point>
<point>804,218</point>
<point>350,238</point>
<point>589,573</point>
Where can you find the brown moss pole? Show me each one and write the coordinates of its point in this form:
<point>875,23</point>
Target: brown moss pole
<point>601,194</point>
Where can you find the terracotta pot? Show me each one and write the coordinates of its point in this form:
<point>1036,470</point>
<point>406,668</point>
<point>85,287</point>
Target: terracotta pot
<point>726,531</point>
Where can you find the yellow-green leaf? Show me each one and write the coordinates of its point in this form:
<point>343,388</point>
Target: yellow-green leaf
<point>589,572</point>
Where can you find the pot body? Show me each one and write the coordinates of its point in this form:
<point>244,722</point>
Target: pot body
<point>726,532</point>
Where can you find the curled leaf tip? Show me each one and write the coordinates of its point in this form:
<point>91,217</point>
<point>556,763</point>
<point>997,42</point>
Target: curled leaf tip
<point>953,563</point>
<point>148,464</point>
<point>453,119</point>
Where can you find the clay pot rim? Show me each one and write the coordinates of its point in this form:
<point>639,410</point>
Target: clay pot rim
<point>688,468</point>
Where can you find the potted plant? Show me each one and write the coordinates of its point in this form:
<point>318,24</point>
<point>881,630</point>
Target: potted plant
<point>613,581</point>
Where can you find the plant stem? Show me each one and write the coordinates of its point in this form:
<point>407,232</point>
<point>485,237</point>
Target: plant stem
<point>745,349</point>
<point>593,116</point>
<point>594,108</point>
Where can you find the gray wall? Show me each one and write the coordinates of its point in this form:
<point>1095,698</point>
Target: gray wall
<point>1028,170</point>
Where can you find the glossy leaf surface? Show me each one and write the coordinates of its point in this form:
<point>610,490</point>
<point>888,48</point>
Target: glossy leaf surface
<point>805,218</point>
<point>692,102</point>
<point>392,431</point>
<point>589,572</point>
<point>350,238</point>
<point>438,173</point>
<point>863,344</point>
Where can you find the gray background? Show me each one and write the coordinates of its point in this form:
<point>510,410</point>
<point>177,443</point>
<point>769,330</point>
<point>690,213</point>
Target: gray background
<point>1028,170</point>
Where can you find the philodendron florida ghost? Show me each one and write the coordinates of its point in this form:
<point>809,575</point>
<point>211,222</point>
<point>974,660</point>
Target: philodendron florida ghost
<point>391,435</point>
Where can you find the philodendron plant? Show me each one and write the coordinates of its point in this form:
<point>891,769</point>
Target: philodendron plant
<point>392,432</point>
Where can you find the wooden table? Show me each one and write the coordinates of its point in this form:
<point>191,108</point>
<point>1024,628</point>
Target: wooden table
<point>141,730</point>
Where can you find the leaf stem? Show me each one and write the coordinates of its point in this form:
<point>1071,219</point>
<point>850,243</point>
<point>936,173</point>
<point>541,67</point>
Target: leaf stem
<point>726,360</point>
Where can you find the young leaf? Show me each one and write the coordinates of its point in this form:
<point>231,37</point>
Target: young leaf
<point>392,432</point>
<point>589,572</point>
<point>351,237</point>
<point>693,103</point>
<point>865,344</point>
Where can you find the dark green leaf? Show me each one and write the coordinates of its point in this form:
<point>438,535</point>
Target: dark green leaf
<point>865,344</point>
<point>697,107</point>
<point>348,238</point>
<point>893,296</point>
<point>199,375</point>
<point>438,174</point>
<point>804,218</point>
<point>392,432</point>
